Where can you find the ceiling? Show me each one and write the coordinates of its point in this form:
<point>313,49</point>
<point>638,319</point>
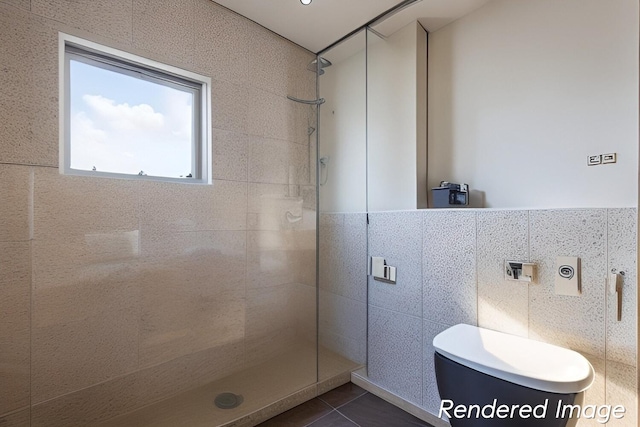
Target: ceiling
<point>324,22</point>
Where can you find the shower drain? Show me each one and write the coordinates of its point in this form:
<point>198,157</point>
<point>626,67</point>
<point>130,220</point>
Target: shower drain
<point>228,400</point>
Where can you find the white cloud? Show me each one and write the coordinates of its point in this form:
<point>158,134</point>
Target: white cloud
<point>124,116</point>
<point>179,112</point>
<point>122,138</point>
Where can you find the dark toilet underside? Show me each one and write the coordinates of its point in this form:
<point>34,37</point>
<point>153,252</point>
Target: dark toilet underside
<point>466,386</point>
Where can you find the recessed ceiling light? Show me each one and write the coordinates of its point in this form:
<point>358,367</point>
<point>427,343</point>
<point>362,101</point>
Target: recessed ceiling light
<point>305,2</point>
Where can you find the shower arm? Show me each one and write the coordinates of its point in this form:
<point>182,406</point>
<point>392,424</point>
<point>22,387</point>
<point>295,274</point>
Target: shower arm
<point>308,102</point>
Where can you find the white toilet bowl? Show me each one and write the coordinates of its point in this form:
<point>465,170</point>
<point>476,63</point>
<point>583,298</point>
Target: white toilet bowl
<point>527,383</point>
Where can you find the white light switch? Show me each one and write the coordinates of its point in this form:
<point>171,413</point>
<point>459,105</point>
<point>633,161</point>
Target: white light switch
<point>568,276</point>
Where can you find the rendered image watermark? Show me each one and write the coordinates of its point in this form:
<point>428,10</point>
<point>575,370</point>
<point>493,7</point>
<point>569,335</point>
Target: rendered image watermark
<point>601,413</point>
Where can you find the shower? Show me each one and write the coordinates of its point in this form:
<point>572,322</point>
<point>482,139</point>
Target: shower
<point>324,63</point>
<point>306,101</point>
<point>318,67</point>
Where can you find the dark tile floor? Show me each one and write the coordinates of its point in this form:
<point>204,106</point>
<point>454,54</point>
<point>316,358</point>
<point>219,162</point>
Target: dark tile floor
<point>345,406</point>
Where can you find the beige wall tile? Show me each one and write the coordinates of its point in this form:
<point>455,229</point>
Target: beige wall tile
<point>193,293</point>
<point>230,105</point>
<point>72,356</point>
<point>269,56</point>
<point>29,100</point>
<point>270,327</point>
<point>214,260</point>
<point>263,347</point>
<point>314,160</point>
<point>276,161</point>
<point>16,194</point>
<point>18,419</point>
<point>23,4</point>
<point>71,353</point>
<point>101,402</point>
<point>279,66</point>
<point>304,79</point>
<point>271,258</point>
<point>175,207</point>
<point>110,19</point>
<point>73,206</point>
<point>622,390</point>
<point>269,204</point>
<point>222,42</point>
<point>14,371</point>
<point>15,297</point>
<point>44,81</point>
<point>77,278</point>
<point>230,155</point>
<point>272,116</point>
<point>305,309</point>
<point>165,27</point>
<point>300,118</point>
<point>270,309</point>
<point>306,263</point>
<point>264,198</point>
<point>88,406</point>
<point>89,266</point>
<point>188,372</point>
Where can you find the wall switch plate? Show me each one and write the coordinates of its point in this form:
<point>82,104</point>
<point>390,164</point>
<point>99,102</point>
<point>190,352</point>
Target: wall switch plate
<point>609,158</point>
<point>594,160</point>
<point>568,276</point>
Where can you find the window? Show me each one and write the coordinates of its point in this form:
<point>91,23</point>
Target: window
<point>129,117</point>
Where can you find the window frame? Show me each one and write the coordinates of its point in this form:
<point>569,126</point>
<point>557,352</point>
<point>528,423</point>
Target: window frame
<point>94,54</point>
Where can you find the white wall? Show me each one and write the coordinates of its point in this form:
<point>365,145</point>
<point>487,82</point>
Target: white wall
<point>343,128</point>
<point>396,133</point>
<point>520,92</point>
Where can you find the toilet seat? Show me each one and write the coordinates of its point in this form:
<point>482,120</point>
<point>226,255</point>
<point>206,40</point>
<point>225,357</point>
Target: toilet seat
<point>522,361</point>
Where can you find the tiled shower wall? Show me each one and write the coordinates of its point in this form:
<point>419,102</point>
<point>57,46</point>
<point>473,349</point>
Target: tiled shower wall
<point>117,293</point>
<point>450,270</point>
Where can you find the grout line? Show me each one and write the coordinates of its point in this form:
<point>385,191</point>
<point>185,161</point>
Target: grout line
<point>132,20</point>
<point>606,299</point>
<point>28,165</point>
<point>345,403</point>
<point>423,219</point>
<point>475,247</point>
<point>318,419</point>
<point>31,283</point>
<point>342,406</point>
<point>355,423</point>
<point>537,272</point>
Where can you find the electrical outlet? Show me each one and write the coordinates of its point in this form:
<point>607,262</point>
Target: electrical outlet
<point>609,158</point>
<point>594,160</point>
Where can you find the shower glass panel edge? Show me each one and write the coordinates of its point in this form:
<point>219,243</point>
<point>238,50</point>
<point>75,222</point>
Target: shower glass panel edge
<point>341,183</point>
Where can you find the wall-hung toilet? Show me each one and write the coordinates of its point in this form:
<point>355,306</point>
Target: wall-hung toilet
<point>487,374</point>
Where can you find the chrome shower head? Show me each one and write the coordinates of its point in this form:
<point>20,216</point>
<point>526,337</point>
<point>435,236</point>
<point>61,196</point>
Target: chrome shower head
<point>324,63</point>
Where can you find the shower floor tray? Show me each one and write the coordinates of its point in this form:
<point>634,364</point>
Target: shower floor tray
<point>265,386</point>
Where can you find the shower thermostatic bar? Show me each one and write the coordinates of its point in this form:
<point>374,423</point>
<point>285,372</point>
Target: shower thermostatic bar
<point>305,101</point>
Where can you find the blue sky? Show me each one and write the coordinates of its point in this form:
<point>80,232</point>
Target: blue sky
<point>123,124</point>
